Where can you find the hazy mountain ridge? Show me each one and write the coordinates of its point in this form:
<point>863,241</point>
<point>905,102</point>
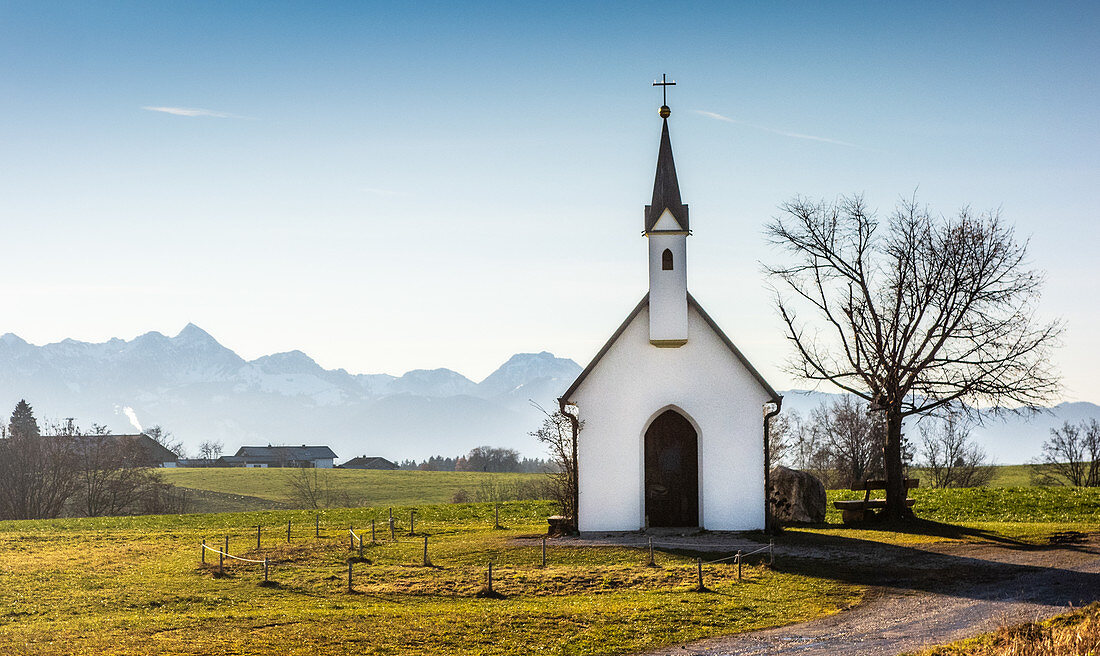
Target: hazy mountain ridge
<point>201,390</point>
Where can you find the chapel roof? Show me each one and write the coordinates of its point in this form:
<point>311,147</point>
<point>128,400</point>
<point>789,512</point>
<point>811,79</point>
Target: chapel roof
<point>692,303</point>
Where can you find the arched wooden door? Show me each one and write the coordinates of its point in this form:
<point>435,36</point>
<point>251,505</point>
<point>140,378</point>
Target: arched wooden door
<point>671,471</point>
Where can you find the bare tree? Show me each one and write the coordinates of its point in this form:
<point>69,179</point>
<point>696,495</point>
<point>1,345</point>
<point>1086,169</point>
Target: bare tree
<point>557,433</point>
<point>112,473</point>
<point>783,438</point>
<point>924,312</point>
<point>211,450</point>
<point>166,439</point>
<point>950,457</point>
<point>312,487</point>
<point>849,439</point>
<point>1071,456</point>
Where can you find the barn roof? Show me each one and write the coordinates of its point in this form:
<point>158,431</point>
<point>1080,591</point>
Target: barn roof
<point>369,462</point>
<point>286,452</point>
<point>706,317</point>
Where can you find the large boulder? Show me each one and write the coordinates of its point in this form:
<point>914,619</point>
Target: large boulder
<point>796,497</point>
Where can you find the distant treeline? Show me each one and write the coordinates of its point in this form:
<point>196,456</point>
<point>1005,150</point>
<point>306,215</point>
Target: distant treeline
<point>483,459</point>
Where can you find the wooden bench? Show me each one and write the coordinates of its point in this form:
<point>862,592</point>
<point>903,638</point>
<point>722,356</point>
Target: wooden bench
<point>853,512</point>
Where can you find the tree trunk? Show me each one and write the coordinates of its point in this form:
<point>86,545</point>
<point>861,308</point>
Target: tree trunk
<point>896,491</point>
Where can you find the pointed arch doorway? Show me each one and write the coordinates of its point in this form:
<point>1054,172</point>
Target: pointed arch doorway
<point>671,471</point>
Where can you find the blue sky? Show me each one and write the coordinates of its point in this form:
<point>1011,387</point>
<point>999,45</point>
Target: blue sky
<point>388,186</point>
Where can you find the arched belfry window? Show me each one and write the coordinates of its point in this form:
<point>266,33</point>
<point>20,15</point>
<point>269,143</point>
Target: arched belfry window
<point>666,260</point>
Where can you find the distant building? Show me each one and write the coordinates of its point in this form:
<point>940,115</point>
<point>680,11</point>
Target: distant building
<point>140,449</point>
<point>320,457</point>
<point>369,462</point>
<point>155,454</point>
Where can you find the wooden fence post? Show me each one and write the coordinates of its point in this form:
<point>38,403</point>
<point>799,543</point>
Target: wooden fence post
<point>349,575</point>
<point>351,538</point>
<point>393,533</point>
<point>360,547</point>
<point>288,531</point>
<point>738,564</point>
<point>490,577</point>
<point>651,563</point>
<point>203,550</point>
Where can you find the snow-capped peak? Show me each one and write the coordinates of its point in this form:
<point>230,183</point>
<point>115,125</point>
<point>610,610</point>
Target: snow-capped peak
<point>192,333</point>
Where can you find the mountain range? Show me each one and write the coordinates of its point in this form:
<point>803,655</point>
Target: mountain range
<point>200,390</point>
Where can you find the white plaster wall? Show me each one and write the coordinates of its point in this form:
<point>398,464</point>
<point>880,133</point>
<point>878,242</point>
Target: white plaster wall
<point>668,289</point>
<point>629,387</point>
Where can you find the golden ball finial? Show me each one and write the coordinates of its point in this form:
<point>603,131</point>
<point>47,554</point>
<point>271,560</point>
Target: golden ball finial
<point>665,111</point>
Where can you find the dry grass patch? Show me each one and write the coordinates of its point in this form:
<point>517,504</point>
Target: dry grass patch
<point>1072,634</point>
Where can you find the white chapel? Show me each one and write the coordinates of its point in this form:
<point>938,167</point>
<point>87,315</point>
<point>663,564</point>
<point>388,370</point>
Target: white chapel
<point>673,414</point>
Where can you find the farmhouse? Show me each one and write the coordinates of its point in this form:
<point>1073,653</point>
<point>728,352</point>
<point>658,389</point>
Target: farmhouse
<point>142,448</point>
<point>368,462</point>
<point>320,457</point>
<point>673,414</point>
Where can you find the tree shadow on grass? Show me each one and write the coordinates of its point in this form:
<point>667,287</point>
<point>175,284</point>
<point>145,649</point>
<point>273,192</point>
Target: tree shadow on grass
<point>972,571</point>
<point>912,527</point>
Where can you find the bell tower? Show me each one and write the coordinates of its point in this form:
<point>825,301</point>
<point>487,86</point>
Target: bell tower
<point>667,230</point>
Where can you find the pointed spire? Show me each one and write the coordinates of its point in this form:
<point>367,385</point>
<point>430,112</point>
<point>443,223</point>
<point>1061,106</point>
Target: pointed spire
<point>666,189</point>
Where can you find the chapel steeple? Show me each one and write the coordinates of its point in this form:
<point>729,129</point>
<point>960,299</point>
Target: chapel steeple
<point>666,227</point>
<point>666,188</point>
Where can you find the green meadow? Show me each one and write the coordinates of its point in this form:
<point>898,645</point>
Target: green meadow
<point>137,585</point>
<point>240,489</point>
<point>236,489</point>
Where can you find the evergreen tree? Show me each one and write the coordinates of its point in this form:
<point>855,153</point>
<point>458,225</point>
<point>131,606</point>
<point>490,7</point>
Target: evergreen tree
<point>23,423</point>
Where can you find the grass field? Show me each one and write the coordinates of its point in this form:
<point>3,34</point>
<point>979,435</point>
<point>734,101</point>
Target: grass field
<point>135,586</point>
<point>240,489</point>
<point>1003,476</point>
<point>1024,514</point>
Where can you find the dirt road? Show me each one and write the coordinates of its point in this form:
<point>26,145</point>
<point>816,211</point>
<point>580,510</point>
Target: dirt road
<point>924,595</point>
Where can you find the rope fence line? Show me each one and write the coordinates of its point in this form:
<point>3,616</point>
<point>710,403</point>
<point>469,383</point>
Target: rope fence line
<point>354,538</point>
<point>227,555</point>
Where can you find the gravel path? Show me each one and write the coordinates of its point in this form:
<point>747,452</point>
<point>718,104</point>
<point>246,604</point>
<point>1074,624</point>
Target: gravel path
<point>925,595</point>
